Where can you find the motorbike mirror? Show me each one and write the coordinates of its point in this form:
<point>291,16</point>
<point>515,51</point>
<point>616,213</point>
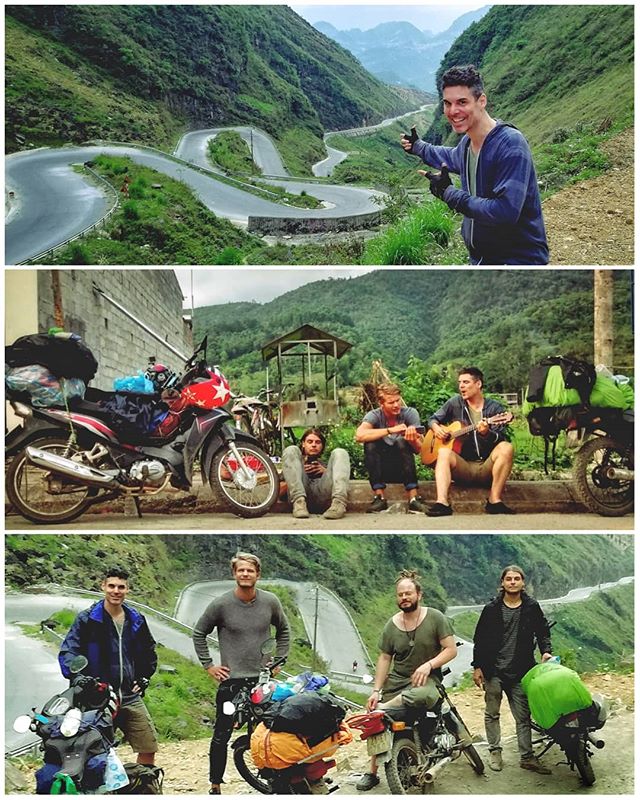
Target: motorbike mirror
<point>367,679</point>
<point>57,706</point>
<point>22,724</point>
<point>78,663</point>
<point>268,647</point>
<point>228,708</point>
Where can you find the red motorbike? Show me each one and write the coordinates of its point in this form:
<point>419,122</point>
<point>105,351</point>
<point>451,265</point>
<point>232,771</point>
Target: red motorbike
<point>63,460</point>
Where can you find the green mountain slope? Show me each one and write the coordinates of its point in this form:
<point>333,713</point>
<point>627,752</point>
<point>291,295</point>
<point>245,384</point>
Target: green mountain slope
<point>549,67</point>
<point>140,73</point>
<point>502,320</point>
<point>455,569</point>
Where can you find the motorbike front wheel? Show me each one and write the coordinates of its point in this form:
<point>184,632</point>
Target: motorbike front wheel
<point>246,768</point>
<point>601,493</point>
<point>583,764</point>
<point>402,769</point>
<point>462,733</point>
<point>249,488</point>
<point>41,496</point>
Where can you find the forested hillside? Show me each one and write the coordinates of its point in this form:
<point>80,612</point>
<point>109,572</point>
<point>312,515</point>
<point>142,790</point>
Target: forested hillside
<point>144,72</point>
<point>550,68</point>
<point>460,569</point>
<point>502,320</point>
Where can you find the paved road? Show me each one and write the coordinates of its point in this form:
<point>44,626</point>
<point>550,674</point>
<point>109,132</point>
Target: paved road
<point>192,147</point>
<point>466,523</point>
<point>54,203</point>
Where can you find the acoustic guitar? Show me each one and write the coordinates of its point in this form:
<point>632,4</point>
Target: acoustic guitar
<point>456,430</point>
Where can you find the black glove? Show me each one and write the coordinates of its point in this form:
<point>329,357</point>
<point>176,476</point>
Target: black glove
<point>414,136</point>
<point>439,181</point>
<point>143,683</point>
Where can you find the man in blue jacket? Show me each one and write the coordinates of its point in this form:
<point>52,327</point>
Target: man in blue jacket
<point>116,640</point>
<point>485,458</point>
<point>499,196</point>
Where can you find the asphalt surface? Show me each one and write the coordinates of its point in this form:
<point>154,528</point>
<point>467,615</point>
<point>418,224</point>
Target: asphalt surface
<point>366,523</point>
<point>55,203</point>
<point>192,147</point>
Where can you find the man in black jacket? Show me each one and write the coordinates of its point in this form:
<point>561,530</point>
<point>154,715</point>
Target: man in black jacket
<point>504,641</point>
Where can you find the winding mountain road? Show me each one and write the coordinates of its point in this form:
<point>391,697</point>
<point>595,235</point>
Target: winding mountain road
<point>53,202</point>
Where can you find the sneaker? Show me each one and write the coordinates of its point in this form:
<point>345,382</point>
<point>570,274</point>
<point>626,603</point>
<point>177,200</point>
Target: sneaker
<point>439,510</point>
<point>498,508</point>
<point>336,510</point>
<point>416,506</point>
<point>300,510</point>
<point>535,766</point>
<point>367,781</point>
<point>377,504</point>
<point>495,760</point>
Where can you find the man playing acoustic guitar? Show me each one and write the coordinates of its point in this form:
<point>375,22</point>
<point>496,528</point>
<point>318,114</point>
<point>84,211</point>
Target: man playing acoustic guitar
<point>484,457</point>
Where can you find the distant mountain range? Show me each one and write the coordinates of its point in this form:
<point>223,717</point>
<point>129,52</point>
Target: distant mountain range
<point>398,53</point>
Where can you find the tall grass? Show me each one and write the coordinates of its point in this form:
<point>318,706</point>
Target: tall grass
<point>422,237</point>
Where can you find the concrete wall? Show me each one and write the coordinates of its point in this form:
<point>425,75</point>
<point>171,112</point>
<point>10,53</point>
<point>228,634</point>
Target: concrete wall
<point>120,344</point>
<point>293,225</point>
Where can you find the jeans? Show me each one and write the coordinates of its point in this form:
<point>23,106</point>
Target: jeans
<point>519,706</point>
<point>318,492</point>
<point>394,463</point>
<point>223,727</point>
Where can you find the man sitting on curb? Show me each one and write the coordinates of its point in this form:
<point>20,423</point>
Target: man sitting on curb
<point>391,440</point>
<point>485,459</point>
<point>312,484</point>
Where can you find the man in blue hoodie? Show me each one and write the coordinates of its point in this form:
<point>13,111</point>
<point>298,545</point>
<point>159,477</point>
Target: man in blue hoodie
<point>485,458</point>
<point>499,196</point>
<point>116,640</point>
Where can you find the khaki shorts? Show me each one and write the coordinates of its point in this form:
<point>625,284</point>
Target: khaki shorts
<point>472,473</point>
<point>136,724</point>
<point>413,696</point>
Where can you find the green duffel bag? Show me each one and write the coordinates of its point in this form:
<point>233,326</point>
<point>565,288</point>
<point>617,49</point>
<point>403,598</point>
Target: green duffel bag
<point>553,691</point>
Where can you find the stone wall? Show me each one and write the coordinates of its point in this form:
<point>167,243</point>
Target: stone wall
<point>120,344</point>
<point>266,226</point>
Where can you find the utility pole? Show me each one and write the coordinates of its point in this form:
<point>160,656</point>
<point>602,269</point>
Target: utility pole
<point>251,135</point>
<point>603,317</point>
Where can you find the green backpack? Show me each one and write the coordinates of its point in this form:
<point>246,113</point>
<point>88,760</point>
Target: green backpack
<point>553,691</point>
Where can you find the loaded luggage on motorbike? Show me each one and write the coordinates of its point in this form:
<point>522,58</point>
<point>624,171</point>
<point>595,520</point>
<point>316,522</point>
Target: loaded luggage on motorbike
<point>554,690</point>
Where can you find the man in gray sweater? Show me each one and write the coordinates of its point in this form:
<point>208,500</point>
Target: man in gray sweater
<point>243,618</point>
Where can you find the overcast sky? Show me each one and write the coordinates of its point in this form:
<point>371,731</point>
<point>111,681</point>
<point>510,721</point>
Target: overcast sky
<point>434,18</point>
<point>215,285</point>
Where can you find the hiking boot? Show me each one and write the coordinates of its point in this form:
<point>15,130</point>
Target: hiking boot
<point>336,510</point>
<point>497,508</point>
<point>534,765</point>
<point>367,782</point>
<point>495,760</point>
<point>439,510</point>
<point>416,506</point>
<point>300,510</point>
<point>215,790</point>
<point>377,504</point>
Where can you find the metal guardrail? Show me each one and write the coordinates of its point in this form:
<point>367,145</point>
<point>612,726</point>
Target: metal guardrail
<point>99,223</point>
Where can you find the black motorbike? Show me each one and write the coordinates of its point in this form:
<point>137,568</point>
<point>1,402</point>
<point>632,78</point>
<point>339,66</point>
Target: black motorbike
<point>66,459</point>
<point>575,735</point>
<point>415,744</point>
<point>76,729</point>
<point>604,465</point>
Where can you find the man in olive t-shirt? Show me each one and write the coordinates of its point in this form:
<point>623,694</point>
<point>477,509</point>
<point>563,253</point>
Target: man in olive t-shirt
<point>415,643</point>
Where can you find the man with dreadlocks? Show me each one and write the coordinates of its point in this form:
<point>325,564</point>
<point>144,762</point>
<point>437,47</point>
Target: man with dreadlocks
<point>415,644</point>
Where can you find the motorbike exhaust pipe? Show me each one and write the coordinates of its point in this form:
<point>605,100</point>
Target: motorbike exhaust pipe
<point>71,469</point>
<point>620,474</point>
<point>599,743</point>
<point>432,774</point>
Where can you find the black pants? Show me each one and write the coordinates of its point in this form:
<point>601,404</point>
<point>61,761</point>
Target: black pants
<point>390,464</point>
<point>223,727</point>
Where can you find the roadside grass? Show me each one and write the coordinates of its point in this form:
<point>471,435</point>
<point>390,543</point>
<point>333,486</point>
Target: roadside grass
<point>229,151</point>
<point>424,236</point>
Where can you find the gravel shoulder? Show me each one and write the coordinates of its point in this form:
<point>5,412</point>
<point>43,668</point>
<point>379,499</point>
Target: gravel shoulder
<point>592,222</point>
<point>185,763</point>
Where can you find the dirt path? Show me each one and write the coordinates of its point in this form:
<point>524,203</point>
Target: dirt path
<point>185,763</point>
<point>592,223</point>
